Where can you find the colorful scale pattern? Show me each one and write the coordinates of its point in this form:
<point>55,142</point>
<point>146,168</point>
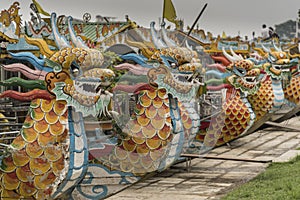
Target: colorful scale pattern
<point>245,64</point>
<point>234,120</point>
<point>38,154</point>
<point>263,100</point>
<point>84,57</point>
<point>292,92</point>
<point>190,120</point>
<point>181,55</point>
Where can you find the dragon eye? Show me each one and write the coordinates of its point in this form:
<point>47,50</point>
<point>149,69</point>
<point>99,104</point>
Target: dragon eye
<point>241,71</point>
<point>173,65</point>
<point>75,70</point>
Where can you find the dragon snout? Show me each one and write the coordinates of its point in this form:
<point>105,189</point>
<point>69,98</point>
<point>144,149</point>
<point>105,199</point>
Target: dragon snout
<point>190,67</point>
<point>105,76</point>
<point>283,61</point>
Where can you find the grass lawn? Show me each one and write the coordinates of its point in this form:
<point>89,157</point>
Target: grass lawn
<point>280,181</point>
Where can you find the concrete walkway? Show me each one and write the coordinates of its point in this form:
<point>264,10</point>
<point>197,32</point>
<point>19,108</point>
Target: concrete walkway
<point>224,168</point>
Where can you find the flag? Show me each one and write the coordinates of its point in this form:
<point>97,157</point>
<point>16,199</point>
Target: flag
<point>169,11</point>
<point>224,35</point>
<point>40,9</point>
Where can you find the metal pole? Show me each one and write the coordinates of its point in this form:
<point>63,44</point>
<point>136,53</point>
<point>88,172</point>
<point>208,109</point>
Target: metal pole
<point>194,24</point>
<point>297,27</point>
<point>298,22</point>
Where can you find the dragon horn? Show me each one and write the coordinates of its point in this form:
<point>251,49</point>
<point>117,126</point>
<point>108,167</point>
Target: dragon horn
<point>265,48</point>
<point>229,57</point>
<point>188,45</point>
<point>238,57</point>
<point>157,42</point>
<point>275,46</point>
<point>167,40</point>
<point>77,41</point>
<point>60,41</point>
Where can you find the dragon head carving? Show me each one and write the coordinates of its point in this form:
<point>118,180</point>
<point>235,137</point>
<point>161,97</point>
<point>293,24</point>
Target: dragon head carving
<point>246,76</point>
<point>170,65</point>
<point>80,79</point>
<point>178,71</point>
<point>278,63</point>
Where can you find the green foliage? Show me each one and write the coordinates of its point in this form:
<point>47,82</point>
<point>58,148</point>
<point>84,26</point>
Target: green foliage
<point>279,181</point>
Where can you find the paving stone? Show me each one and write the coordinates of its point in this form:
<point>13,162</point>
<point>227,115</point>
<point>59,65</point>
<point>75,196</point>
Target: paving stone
<point>199,175</point>
<point>291,144</point>
<point>129,197</point>
<point>166,173</point>
<point>198,181</point>
<point>206,163</point>
<point>233,152</point>
<point>291,134</point>
<point>265,158</point>
<point>228,164</point>
<point>171,180</point>
<point>196,190</point>
<point>220,184</point>
<point>287,156</point>
<point>247,155</point>
<point>238,175</point>
<point>251,154</point>
<point>220,150</point>
<point>151,180</point>
<point>271,144</point>
<point>276,132</point>
<point>163,196</point>
<point>153,188</point>
<point>253,167</point>
<point>298,136</point>
<point>275,152</point>
<point>253,145</point>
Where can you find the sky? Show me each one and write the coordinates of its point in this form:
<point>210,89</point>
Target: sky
<point>234,17</point>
